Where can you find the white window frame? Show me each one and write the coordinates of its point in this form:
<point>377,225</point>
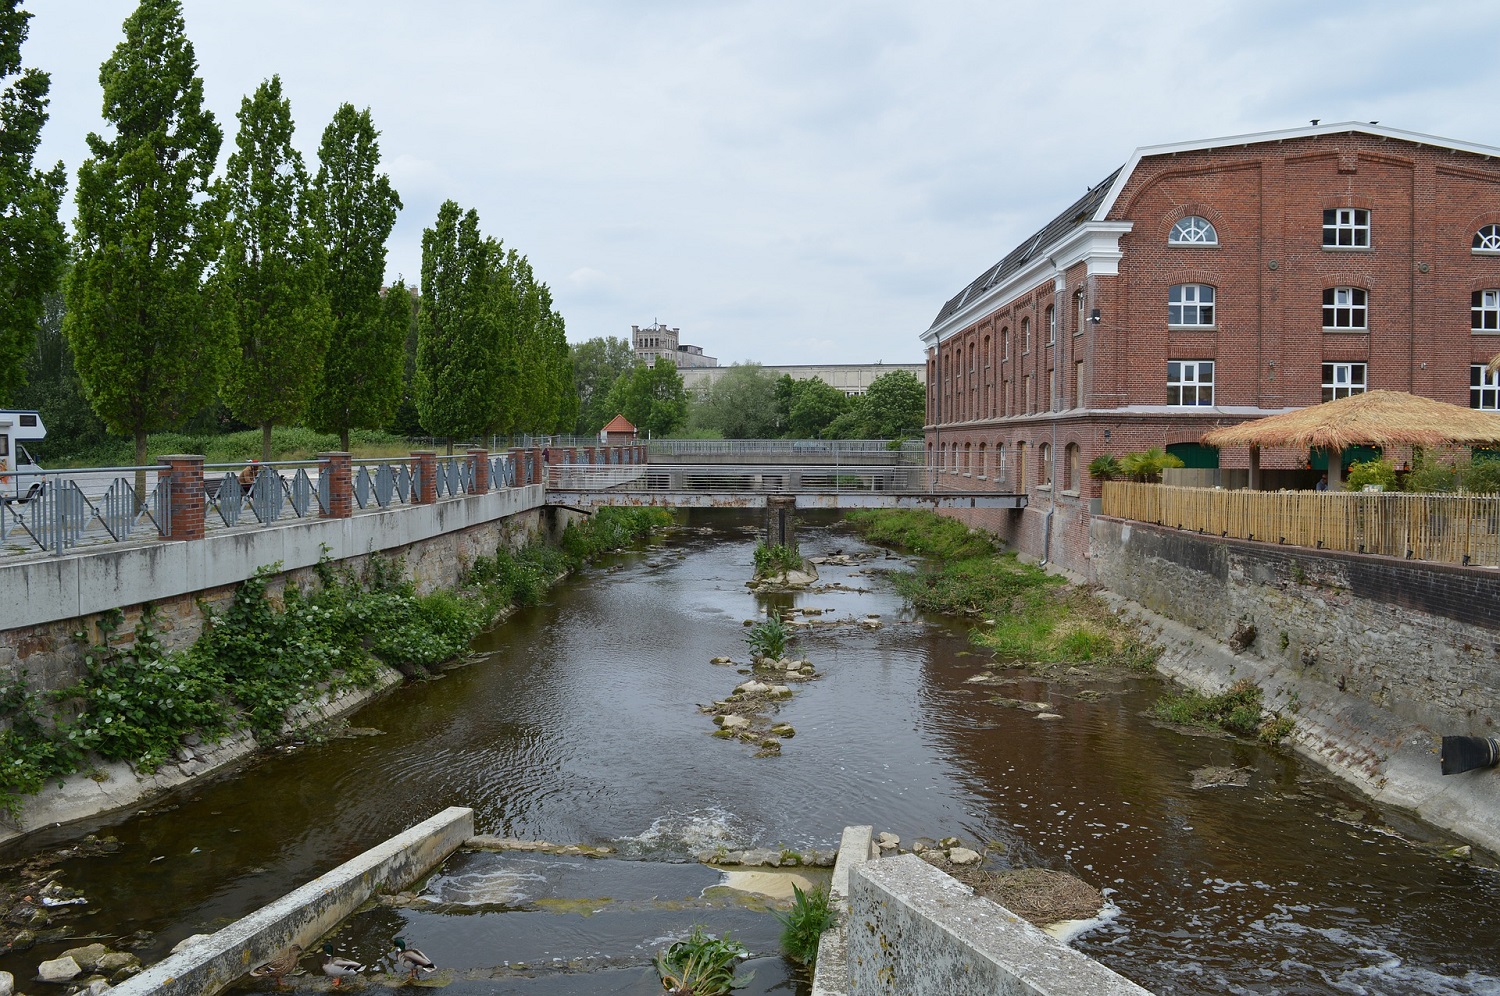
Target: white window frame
<point>1051,325</point>
<point>1339,380</point>
<point>1025,336</point>
<point>1487,240</point>
<point>1348,229</point>
<point>1346,309</point>
<point>1190,383</point>
<point>1484,387</point>
<point>1484,311</point>
<point>1188,305</point>
<point>1193,231</point>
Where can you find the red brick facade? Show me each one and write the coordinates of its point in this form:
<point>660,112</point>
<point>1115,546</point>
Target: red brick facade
<point>1017,399</point>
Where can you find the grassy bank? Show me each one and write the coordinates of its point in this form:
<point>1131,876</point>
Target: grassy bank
<point>269,652</point>
<point>1025,615</point>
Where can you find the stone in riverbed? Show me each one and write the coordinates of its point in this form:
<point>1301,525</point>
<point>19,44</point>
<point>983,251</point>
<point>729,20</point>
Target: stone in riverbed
<point>62,969</point>
<point>88,956</point>
<point>7,984</point>
<point>733,722</point>
<point>964,856</point>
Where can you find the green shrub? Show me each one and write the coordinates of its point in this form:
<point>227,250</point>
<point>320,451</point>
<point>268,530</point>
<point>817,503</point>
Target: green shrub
<point>801,927</point>
<point>1433,477</point>
<point>1482,476</point>
<point>1240,709</point>
<point>774,560</point>
<point>1377,471</point>
<point>768,638</point>
<point>1148,464</point>
<point>702,965</point>
<point>1105,468</point>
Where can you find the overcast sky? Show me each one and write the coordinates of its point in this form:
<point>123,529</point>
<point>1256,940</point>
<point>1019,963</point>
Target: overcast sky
<point>787,182</point>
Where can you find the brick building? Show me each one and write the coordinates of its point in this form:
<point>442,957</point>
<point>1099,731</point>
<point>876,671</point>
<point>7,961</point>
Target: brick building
<point>1206,283</point>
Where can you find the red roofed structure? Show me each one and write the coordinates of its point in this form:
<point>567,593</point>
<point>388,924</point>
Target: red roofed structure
<point>619,430</point>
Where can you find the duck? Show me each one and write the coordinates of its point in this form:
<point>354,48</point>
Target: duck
<point>283,964</point>
<point>337,968</point>
<point>411,958</point>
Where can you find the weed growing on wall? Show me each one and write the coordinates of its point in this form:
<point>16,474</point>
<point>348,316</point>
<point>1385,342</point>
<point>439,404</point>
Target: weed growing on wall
<point>267,654</point>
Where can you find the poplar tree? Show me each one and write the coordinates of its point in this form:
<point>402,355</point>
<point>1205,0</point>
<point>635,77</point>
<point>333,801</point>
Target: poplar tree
<point>457,382</point>
<point>270,282</point>
<point>137,319</point>
<point>32,241</point>
<point>355,212</point>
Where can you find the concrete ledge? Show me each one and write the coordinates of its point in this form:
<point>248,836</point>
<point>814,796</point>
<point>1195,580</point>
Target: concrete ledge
<point>917,931</point>
<point>831,972</point>
<point>306,914</point>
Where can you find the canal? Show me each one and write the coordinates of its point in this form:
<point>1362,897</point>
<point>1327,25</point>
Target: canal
<point>578,722</point>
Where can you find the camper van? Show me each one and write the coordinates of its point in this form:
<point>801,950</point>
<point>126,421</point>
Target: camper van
<point>16,429</point>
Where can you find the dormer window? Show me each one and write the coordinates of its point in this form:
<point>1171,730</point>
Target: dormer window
<point>1193,231</point>
<point>1487,239</point>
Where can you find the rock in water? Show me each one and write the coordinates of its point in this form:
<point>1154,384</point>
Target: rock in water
<point>62,969</point>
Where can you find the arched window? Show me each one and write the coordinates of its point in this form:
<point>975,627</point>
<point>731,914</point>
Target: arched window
<point>1021,466</point>
<point>1487,239</point>
<point>1044,463</point>
<point>1051,325</point>
<point>1004,343</point>
<point>1025,335</point>
<point>1193,231</point>
<point>981,470</point>
<point>1000,467</point>
<point>968,459</point>
<point>1072,457</point>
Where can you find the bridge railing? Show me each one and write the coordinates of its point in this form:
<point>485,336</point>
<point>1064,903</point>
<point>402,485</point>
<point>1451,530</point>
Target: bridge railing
<point>726,478</point>
<point>835,451</point>
<point>57,510</point>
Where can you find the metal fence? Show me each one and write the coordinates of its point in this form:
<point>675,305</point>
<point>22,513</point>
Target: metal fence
<point>725,478</point>
<point>1450,529</point>
<point>57,510</point>
<point>911,451</point>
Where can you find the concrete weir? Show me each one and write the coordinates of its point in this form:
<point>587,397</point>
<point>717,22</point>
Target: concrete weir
<point>305,914</point>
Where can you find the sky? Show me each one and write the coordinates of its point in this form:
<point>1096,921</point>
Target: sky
<point>786,182</point>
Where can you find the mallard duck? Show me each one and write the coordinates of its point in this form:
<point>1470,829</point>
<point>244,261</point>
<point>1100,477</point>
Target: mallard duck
<point>282,965</point>
<point>411,958</point>
<point>336,968</point>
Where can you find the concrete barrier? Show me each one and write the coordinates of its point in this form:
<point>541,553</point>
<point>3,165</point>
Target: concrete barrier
<point>917,931</point>
<point>831,971</point>
<point>305,914</point>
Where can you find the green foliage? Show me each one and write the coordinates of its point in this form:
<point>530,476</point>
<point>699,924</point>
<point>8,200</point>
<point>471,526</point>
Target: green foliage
<point>652,398</point>
<point>1482,477</point>
<point>923,532</point>
<point>33,244</point>
<point>1431,477</point>
<point>31,753</point>
<point>776,559</point>
<point>270,281</point>
<point>1148,465</point>
<point>768,638</point>
<point>811,406</point>
<point>1240,709</point>
<point>287,443</point>
<point>1378,471</point>
<point>354,210</point>
<point>740,404</point>
<point>611,528</point>
<point>597,364</point>
<point>459,373</point>
<point>53,388</point>
<point>894,407</point>
<point>803,925</point>
<point>1105,467</point>
<point>701,964</point>
<point>138,320</point>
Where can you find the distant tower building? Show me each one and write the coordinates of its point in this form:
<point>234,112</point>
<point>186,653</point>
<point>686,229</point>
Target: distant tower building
<point>656,340</point>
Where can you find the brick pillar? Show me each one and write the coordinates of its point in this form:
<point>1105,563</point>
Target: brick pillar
<point>336,469</point>
<point>186,498</point>
<point>538,468</point>
<point>588,454</point>
<point>479,460</point>
<point>424,466</point>
<point>518,467</point>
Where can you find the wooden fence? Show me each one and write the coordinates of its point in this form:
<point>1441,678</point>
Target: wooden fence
<point>1450,529</point>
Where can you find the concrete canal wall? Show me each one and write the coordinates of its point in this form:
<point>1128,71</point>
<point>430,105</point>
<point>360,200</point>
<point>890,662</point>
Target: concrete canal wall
<point>1375,659</point>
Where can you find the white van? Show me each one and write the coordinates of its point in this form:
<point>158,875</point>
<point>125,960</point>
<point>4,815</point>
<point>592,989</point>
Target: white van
<point>16,429</point>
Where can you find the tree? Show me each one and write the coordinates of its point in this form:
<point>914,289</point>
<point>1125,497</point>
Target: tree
<point>740,404</point>
<point>597,364</point>
<point>814,406</point>
<point>355,209</point>
<point>652,398</point>
<point>52,388</point>
<point>270,281</point>
<point>895,406</point>
<point>33,244</point>
<point>138,321</point>
<point>458,381</point>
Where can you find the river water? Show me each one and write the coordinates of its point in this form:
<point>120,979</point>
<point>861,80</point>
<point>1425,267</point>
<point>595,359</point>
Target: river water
<point>579,724</point>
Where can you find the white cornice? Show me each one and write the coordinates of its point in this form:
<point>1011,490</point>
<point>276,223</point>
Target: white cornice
<point>1312,131</point>
<point>1097,242</point>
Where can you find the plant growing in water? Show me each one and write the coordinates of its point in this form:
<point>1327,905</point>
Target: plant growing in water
<point>776,559</point>
<point>803,925</point>
<point>701,964</point>
<point>768,639</point>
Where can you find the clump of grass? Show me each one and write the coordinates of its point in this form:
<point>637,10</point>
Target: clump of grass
<point>770,560</point>
<point>922,532</point>
<point>701,964</point>
<point>803,925</point>
<point>768,638</point>
<point>1240,710</point>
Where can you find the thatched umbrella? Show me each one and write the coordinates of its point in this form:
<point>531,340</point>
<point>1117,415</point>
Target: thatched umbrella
<point>1375,418</point>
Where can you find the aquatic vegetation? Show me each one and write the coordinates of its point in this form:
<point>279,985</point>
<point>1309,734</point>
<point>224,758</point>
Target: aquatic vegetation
<point>803,925</point>
<point>768,638</point>
<point>701,964</point>
<point>772,560</point>
<point>920,531</point>
<point>1240,709</point>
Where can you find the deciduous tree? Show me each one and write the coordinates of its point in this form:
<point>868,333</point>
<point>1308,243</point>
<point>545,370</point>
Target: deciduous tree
<point>270,281</point>
<point>32,242</point>
<point>458,381</point>
<point>652,398</point>
<point>815,405</point>
<point>355,209</point>
<point>740,404</point>
<point>138,320</point>
<point>597,364</point>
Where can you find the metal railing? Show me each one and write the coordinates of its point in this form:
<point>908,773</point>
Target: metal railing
<point>268,491</point>
<point>726,478</point>
<point>836,450</point>
<point>1453,529</point>
<point>55,511</point>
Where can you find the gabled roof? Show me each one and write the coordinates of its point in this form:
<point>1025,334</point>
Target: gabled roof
<point>1075,214</point>
<point>619,424</point>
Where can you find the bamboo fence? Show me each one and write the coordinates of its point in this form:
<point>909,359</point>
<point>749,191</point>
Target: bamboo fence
<point>1449,529</point>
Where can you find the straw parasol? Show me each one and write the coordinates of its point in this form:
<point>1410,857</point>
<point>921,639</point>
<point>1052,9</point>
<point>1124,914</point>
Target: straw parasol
<point>1375,418</point>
